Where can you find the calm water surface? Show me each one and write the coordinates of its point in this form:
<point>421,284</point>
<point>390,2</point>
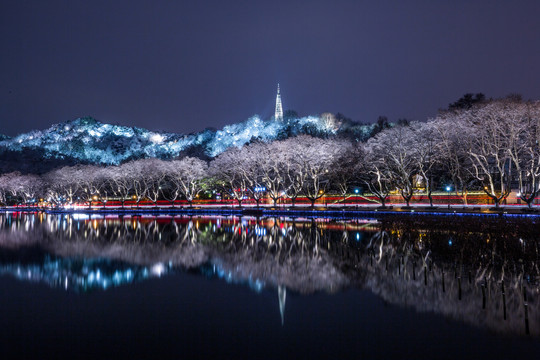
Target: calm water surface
<point>83,286</point>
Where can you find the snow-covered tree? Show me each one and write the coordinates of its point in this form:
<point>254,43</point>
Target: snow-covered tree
<point>89,179</point>
<point>489,145</point>
<point>121,183</point>
<point>187,177</point>
<point>273,161</point>
<point>394,153</point>
<point>425,149</point>
<point>452,136</point>
<point>229,169</point>
<point>9,186</point>
<point>27,188</point>
<point>312,160</point>
<point>151,177</point>
<point>375,172</point>
<point>524,136</point>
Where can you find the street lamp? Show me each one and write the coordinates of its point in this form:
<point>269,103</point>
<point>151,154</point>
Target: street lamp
<point>448,189</point>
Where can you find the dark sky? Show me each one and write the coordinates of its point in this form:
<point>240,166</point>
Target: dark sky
<point>182,66</point>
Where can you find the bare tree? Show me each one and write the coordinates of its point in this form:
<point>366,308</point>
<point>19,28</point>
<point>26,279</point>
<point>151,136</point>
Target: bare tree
<point>229,169</point>
<point>186,176</point>
<point>524,137</point>
<point>425,149</point>
<point>152,177</point>
<point>394,149</point>
<point>452,136</point>
<point>346,168</point>
<point>375,173</point>
<point>489,147</point>
<point>121,183</point>
<point>313,159</point>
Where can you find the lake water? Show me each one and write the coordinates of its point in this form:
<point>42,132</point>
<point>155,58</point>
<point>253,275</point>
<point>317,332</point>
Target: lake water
<point>415,287</point>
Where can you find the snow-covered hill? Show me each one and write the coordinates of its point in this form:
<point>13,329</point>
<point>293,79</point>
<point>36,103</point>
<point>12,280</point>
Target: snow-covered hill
<point>87,140</point>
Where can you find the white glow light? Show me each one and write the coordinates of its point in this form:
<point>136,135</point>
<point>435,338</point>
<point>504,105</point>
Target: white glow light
<point>157,138</point>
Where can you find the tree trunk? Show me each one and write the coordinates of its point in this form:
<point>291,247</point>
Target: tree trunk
<point>407,197</point>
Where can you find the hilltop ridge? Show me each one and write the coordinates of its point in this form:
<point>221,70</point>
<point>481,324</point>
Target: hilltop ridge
<point>87,140</point>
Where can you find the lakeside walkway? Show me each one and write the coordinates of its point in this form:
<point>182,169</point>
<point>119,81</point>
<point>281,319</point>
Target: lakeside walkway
<point>299,211</point>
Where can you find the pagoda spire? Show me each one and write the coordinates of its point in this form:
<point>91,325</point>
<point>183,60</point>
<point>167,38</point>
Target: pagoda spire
<point>279,108</point>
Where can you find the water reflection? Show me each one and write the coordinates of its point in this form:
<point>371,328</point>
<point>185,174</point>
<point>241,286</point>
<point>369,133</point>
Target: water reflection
<point>479,271</point>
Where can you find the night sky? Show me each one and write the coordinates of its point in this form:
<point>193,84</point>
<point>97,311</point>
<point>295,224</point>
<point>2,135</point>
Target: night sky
<point>182,66</point>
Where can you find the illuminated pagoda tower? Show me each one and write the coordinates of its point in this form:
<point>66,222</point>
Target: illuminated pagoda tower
<point>279,109</point>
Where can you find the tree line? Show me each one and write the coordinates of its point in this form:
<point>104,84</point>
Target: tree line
<point>491,146</point>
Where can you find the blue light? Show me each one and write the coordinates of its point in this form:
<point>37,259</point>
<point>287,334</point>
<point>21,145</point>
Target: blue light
<point>356,191</point>
<point>450,242</point>
<point>448,188</point>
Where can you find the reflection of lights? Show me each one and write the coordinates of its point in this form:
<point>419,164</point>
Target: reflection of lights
<point>68,273</point>
<point>157,269</point>
<point>80,216</point>
<point>260,231</point>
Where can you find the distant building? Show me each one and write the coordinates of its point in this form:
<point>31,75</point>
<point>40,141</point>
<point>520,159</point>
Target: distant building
<point>279,108</point>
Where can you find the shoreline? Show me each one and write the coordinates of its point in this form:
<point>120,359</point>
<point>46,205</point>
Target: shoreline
<point>321,212</point>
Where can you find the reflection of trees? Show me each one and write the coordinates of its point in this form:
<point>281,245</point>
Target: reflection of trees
<point>481,273</point>
<point>449,265</point>
<point>273,253</point>
<point>281,254</point>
